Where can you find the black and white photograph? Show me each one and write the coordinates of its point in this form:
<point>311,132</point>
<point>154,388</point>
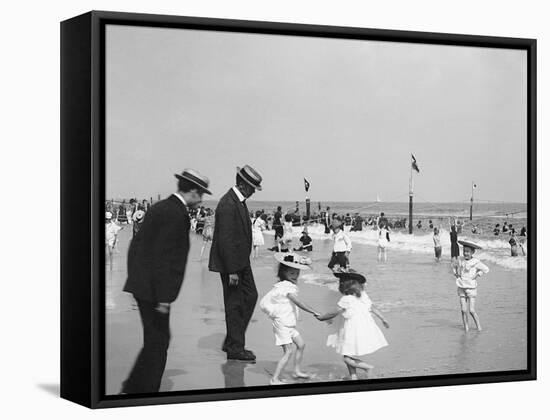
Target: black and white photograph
<point>292,210</point>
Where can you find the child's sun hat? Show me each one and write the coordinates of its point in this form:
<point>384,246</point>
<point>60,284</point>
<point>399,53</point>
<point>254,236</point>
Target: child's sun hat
<point>293,260</point>
<point>350,274</point>
<point>469,244</point>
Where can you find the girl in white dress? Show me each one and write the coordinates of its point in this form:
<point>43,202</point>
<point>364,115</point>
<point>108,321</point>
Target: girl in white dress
<point>111,236</point>
<point>258,226</point>
<point>285,243</point>
<point>281,306</point>
<point>356,331</point>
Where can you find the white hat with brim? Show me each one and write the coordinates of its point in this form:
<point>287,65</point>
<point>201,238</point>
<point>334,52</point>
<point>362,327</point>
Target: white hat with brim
<point>250,176</point>
<point>196,178</point>
<point>108,215</point>
<point>293,260</point>
<point>469,244</point>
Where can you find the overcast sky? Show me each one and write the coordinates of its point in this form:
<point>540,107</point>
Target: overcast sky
<point>345,114</point>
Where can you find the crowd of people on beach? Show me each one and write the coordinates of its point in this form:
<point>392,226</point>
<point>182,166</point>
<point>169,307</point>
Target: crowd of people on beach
<point>160,244</point>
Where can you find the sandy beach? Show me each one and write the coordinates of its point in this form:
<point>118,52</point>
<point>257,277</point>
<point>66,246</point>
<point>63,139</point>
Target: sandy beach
<point>416,294</point>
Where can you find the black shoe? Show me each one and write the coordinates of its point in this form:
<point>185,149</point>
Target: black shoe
<point>250,353</point>
<point>242,356</point>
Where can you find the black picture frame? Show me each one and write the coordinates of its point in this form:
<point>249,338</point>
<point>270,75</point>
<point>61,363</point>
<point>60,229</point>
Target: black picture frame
<point>83,183</point>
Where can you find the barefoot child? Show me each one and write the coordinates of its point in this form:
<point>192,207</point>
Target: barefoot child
<point>305,240</point>
<point>111,236</point>
<point>383,240</point>
<point>280,304</point>
<point>466,270</point>
<point>285,242</point>
<point>437,244</point>
<point>207,230</point>
<point>258,226</point>
<point>342,246</point>
<point>358,335</point>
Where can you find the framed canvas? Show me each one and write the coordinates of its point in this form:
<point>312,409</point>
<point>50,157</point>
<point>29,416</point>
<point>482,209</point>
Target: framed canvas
<point>257,209</point>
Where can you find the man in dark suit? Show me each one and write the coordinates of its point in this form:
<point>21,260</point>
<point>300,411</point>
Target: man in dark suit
<point>156,264</point>
<point>230,256</point>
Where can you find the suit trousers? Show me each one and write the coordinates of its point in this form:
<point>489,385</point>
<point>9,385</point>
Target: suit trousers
<point>148,369</point>
<point>239,302</point>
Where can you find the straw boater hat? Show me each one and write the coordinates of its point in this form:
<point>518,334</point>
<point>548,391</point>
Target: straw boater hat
<point>469,244</point>
<point>293,260</point>
<point>196,178</point>
<point>350,275</point>
<point>108,215</point>
<point>250,176</point>
<point>138,215</point>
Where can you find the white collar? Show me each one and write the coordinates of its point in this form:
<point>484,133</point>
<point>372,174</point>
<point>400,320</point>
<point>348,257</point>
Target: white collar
<point>239,194</point>
<point>177,194</point>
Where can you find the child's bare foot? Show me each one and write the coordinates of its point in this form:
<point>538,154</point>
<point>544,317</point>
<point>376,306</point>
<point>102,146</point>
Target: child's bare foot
<point>277,381</point>
<point>302,375</point>
<point>368,371</point>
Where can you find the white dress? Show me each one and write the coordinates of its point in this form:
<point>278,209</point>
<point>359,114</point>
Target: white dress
<point>111,231</point>
<point>257,228</point>
<point>356,331</point>
<point>287,235</point>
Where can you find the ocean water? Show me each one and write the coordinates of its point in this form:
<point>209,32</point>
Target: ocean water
<point>496,249</point>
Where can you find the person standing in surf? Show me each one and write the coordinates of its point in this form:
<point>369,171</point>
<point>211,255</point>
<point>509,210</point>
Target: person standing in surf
<point>437,244</point>
<point>466,271</point>
<point>342,247</point>
<point>455,250</point>
<point>383,240</point>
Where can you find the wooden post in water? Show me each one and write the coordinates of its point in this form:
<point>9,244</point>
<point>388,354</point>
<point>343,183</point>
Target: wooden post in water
<point>308,208</point>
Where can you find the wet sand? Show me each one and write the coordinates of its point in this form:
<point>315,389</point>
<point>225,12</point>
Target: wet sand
<point>416,294</point>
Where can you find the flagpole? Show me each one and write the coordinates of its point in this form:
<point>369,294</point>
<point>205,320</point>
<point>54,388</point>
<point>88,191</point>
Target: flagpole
<point>472,202</point>
<point>411,200</point>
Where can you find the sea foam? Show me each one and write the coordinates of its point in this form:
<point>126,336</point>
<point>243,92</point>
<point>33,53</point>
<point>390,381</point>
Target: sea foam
<point>496,251</point>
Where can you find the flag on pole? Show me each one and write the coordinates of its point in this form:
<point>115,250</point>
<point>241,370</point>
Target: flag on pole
<point>414,164</point>
<point>306,185</point>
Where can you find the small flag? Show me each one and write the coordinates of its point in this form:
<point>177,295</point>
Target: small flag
<point>414,165</point>
<point>306,185</point>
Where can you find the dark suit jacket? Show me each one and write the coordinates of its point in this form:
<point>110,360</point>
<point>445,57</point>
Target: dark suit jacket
<point>158,253</point>
<point>232,240</point>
